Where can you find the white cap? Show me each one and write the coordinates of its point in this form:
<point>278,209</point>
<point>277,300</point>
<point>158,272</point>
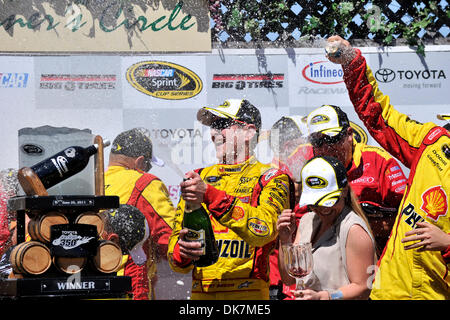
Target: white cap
<point>300,121</point>
<point>233,109</point>
<point>327,119</point>
<point>323,179</point>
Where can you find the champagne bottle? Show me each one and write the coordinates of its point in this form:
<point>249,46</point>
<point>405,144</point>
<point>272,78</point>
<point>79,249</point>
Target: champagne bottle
<point>197,220</point>
<point>58,167</point>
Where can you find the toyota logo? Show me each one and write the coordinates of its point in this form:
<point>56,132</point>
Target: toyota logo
<point>385,75</point>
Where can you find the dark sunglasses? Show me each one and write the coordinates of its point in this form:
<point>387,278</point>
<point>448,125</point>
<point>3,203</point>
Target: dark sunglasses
<point>318,139</point>
<point>222,123</point>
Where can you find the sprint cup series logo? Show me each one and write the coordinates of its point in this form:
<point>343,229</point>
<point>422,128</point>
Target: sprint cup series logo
<point>164,80</point>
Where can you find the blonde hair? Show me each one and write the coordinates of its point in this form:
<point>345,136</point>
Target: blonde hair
<point>353,202</point>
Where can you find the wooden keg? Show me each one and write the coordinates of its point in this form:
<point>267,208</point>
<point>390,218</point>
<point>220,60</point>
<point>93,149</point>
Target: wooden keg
<point>93,218</point>
<point>39,227</point>
<point>70,265</point>
<point>30,257</point>
<point>108,258</point>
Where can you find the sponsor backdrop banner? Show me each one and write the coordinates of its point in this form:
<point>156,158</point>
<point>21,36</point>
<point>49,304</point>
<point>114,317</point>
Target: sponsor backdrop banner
<point>104,26</point>
<point>111,93</point>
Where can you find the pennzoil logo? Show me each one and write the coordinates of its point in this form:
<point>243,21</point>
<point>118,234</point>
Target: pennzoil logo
<point>164,80</point>
<point>434,202</point>
<point>316,182</point>
<point>258,227</point>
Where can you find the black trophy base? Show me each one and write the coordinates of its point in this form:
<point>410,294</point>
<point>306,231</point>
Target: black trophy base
<point>66,287</point>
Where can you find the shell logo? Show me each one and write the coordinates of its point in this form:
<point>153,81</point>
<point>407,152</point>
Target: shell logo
<point>238,213</point>
<point>435,202</point>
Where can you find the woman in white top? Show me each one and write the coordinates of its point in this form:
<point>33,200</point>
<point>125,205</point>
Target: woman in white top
<point>342,242</point>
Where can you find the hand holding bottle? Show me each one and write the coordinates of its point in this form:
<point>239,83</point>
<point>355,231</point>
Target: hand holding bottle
<point>339,50</point>
<point>196,240</point>
<point>193,188</point>
<point>189,249</point>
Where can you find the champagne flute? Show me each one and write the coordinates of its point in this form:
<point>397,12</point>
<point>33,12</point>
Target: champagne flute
<point>298,261</point>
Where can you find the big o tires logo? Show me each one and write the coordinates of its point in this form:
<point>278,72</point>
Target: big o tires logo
<point>164,80</point>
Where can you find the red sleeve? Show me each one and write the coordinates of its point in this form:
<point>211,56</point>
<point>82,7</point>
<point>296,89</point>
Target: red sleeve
<point>367,106</point>
<point>139,280</point>
<point>159,229</point>
<point>274,275</point>
<point>300,211</point>
<point>177,259</point>
<point>393,181</point>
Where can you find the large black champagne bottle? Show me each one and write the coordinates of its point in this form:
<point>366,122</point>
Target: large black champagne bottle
<point>63,164</point>
<point>197,220</point>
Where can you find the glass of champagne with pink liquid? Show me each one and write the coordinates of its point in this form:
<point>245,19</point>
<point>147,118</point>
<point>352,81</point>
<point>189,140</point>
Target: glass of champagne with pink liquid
<point>298,261</point>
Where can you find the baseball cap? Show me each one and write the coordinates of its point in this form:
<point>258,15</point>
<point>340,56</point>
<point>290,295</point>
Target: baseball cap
<point>134,143</point>
<point>294,125</point>
<point>231,109</point>
<point>287,128</point>
<point>328,120</point>
<point>130,225</point>
<point>323,179</point>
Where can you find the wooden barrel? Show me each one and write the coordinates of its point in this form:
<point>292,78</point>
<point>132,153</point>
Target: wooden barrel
<point>70,265</point>
<point>30,257</point>
<point>92,218</point>
<point>108,258</point>
<point>39,227</point>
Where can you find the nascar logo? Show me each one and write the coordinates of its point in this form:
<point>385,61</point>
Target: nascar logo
<point>316,182</point>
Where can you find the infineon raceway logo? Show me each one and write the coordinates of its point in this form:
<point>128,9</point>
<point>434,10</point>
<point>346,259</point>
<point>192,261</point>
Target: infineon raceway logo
<point>164,80</point>
<point>323,72</point>
<point>14,80</point>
